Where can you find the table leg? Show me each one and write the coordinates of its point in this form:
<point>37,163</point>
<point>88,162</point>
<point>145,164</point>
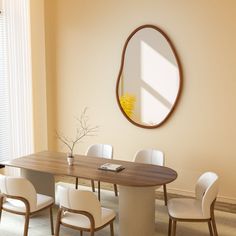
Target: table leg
<point>137,211</point>
<point>44,183</point>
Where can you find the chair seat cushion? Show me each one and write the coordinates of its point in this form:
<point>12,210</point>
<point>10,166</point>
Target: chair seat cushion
<point>82,221</point>
<point>43,201</point>
<point>184,208</point>
<point>19,206</point>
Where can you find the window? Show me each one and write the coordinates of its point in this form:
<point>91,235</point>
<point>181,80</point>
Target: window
<point>16,132</point>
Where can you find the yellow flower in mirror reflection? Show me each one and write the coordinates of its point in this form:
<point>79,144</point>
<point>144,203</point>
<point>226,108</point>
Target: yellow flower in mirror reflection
<point>127,102</point>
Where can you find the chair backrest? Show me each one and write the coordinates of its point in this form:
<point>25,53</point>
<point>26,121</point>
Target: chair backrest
<point>19,187</point>
<point>150,156</point>
<point>100,150</point>
<point>80,200</point>
<point>206,190</point>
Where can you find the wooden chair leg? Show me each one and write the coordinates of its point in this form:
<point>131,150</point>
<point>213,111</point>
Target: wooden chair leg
<point>170,226</point>
<point>51,220</point>
<point>165,194</point>
<point>26,227</point>
<point>112,228</point>
<point>92,233</point>
<point>99,190</point>
<point>115,190</point>
<point>214,225</point>
<point>174,227</point>
<point>210,228</point>
<point>93,185</point>
<point>1,202</point>
<point>76,182</point>
<point>58,223</point>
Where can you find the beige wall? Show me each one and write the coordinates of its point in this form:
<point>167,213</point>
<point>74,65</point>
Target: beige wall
<point>84,40</point>
<point>38,74</point>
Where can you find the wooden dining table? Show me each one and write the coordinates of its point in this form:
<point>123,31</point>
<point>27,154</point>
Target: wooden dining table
<point>136,184</point>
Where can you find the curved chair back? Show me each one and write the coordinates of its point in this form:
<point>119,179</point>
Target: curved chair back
<point>150,156</point>
<point>206,190</point>
<point>100,150</point>
<point>19,187</point>
<point>80,200</point>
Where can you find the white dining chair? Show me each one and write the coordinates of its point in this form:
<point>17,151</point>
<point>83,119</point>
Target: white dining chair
<point>199,209</point>
<point>19,196</point>
<point>81,210</point>
<point>153,157</point>
<point>104,151</point>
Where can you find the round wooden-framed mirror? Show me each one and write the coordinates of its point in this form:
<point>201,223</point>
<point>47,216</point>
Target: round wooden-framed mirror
<point>150,77</point>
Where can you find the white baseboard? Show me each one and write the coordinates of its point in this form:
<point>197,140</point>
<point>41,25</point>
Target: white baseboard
<point>186,193</point>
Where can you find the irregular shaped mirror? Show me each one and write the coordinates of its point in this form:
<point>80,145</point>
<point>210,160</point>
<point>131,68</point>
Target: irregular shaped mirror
<point>149,79</point>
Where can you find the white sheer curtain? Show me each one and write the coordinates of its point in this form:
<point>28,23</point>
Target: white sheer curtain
<point>4,91</point>
<point>16,131</point>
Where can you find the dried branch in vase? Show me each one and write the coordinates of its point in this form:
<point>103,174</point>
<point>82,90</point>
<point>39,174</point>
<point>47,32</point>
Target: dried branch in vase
<point>83,130</point>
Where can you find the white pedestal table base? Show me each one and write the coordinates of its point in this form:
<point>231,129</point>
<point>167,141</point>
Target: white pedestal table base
<point>137,211</point>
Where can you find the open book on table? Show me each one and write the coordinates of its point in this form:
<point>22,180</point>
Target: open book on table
<point>111,167</point>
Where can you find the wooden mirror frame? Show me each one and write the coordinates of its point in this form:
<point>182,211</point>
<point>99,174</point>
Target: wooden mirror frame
<point>121,70</point>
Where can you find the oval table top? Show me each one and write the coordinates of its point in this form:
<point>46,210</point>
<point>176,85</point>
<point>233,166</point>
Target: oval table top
<point>86,167</point>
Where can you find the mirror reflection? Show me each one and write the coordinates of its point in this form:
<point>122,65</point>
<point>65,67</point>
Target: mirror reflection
<point>149,79</point>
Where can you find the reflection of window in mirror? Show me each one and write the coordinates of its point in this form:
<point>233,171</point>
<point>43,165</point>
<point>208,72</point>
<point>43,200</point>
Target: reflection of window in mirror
<point>150,77</point>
